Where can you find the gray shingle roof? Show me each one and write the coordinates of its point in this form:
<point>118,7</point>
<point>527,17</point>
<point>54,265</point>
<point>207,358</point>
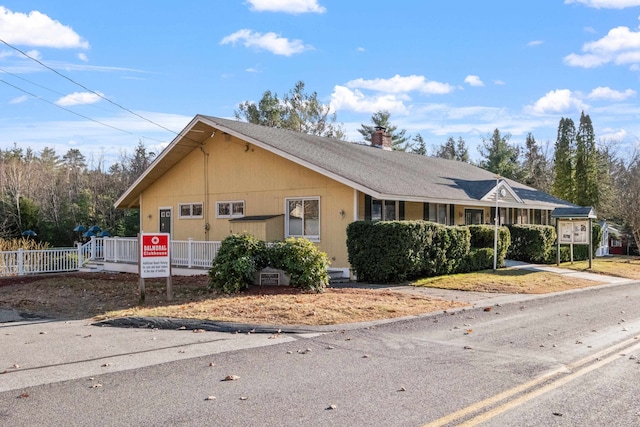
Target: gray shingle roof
<point>381,173</point>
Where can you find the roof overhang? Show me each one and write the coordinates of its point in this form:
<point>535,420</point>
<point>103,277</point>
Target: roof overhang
<point>579,212</point>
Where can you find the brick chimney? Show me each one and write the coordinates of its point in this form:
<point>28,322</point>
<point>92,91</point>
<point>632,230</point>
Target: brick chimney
<point>381,139</point>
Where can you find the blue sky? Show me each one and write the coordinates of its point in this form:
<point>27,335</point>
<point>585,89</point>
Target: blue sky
<point>442,68</point>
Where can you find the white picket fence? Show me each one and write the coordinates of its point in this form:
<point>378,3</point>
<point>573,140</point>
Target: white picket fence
<point>184,253</point>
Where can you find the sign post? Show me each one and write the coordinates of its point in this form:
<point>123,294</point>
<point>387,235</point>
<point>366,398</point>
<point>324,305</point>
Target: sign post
<point>155,260</point>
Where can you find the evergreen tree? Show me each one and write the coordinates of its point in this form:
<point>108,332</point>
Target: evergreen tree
<point>535,166</point>
<point>586,173</point>
<point>563,161</point>
<point>298,111</point>
<point>453,150</point>
<point>419,147</point>
<point>399,141</point>
<point>500,157</point>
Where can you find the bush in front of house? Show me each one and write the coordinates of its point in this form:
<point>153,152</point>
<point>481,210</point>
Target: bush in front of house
<point>305,264</point>
<point>387,251</point>
<point>237,260</point>
<point>396,251</point>
<point>483,236</point>
<point>241,255</point>
<point>531,243</point>
<point>477,259</point>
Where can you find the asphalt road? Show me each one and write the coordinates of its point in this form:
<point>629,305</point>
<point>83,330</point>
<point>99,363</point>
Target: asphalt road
<point>569,359</point>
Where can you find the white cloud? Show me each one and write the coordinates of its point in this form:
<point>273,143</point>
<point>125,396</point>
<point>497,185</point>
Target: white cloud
<point>610,94</point>
<point>78,98</point>
<point>361,49</point>
<point>34,54</point>
<point>287,6</point>
<point>83,57</point>
<point>269,41</point>
<point>400,84</point>
<point>19,100</point>
<point>620,46</point>
<point>609,134</point>
<point>535,43</point>
<point>37,29</point>
<point>606,4</point>
<point>499,82</point>
<point>557,101</point>
<point>472,80</point>
<point>252,70</point>
<point>344,98</point>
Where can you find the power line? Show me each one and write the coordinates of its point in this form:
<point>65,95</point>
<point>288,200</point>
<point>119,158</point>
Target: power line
<point>86,88</point>
<point>91,91</point>
<point>66,109</point>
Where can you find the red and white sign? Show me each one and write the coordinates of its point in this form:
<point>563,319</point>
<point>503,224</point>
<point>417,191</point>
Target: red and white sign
<point>155,259</point>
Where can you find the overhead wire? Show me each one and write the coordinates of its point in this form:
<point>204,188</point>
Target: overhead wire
<point>91,91</point>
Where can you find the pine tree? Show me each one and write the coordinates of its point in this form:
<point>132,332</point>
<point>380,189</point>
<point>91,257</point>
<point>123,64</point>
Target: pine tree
<point>500,157</point>
<point>586,171</point>
<point>563,161</point>
<point>535,166</point>
<point>453,150</point>
<point>419,147</point>
<point>399,141</point>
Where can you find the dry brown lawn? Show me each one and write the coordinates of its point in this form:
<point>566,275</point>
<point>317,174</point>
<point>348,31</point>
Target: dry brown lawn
<point>619,266</point>
<point>509,280</point>
<point>103,296</point>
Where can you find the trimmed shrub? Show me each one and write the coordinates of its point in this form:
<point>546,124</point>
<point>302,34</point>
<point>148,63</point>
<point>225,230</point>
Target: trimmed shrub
<point>303,261</point>
<point>531,243</point>
<point>239,257</point>
<point>482,236</point>
<point>395,251</point>
<point>477,259</point>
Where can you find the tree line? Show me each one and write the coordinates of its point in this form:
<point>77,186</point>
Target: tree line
<point>51,194</point>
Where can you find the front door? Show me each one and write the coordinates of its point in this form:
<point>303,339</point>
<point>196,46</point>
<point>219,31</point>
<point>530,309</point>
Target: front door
<point>165,220</point>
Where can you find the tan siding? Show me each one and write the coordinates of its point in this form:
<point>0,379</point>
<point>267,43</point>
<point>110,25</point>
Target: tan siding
<point>413,211</point>
<point>240,171</point>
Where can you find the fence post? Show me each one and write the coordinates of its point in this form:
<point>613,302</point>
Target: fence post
<point>190,253</point>
<point>80,257</point>
<point>20,270</point>
<point>93,247</point>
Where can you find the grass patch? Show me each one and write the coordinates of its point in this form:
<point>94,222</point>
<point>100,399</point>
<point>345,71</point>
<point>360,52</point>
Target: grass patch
<point>510,280</point>
<point>618,266</point>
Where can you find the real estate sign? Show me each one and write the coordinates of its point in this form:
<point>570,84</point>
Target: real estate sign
<point>155,257</point>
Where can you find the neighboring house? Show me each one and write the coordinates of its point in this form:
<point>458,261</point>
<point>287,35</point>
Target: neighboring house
<point>613,242</point>
<point>221,176</point>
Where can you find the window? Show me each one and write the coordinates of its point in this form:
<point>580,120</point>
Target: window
<point>615,243</point>
<point>474,216</point>
<point>383,210</point>
<point>232,209</point>
<point>437,213</point>
<point>190,210</point>
<point>303,218</point>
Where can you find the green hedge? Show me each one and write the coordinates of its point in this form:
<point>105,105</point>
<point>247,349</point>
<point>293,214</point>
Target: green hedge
<point>537,244</point>
<point>241,255</point>
<point>531,243</point>
<point>396,251</point>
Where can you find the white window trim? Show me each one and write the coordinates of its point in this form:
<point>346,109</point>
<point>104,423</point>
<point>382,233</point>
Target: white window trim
<point>230,203</point>
<point>312,238</point>
<point>191,205</point>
